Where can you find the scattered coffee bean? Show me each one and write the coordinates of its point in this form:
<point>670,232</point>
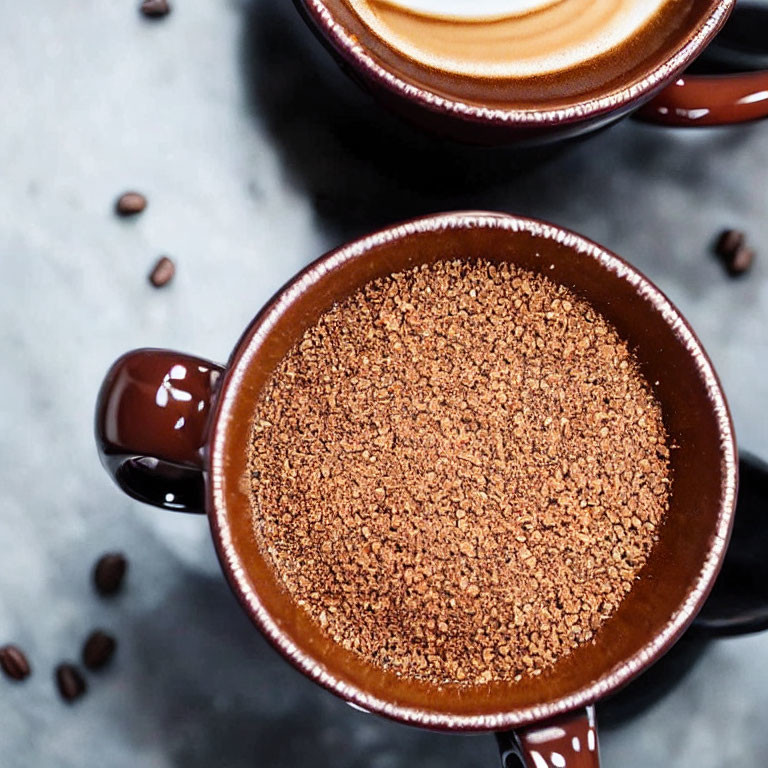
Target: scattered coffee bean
<point>98,649</point>
<point>740,262</point>
<point>736,255</point>
<point>130,203</point>
<point>70,682</point>
<point>109,572</point>
<point>162,273</point>
<point>729,242</point>
<point>155,8</point>
<point>14,663</point>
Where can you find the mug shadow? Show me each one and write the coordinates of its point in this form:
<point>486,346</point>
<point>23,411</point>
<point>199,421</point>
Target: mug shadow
<point>653,685</point>
<point>361,167</point>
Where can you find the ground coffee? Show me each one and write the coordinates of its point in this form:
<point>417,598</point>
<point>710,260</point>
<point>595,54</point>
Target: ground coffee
<point>459,472</point>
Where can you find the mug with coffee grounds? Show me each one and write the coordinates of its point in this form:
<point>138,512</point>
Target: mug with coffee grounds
<point>472,472</point>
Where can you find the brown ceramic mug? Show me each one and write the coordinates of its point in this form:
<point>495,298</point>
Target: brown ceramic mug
<point>174,431</point>
<point>559,105</point>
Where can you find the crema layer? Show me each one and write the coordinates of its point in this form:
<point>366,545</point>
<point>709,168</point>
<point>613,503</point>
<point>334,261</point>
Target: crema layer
<point>512,39</point>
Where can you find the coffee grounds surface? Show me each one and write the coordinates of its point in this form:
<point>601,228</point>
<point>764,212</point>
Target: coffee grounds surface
<point>459,472</point>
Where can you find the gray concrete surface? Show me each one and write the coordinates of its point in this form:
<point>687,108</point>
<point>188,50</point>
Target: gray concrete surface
<point>257,156</point>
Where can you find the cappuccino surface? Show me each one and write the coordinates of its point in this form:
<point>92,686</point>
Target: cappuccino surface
<point>506,38</point>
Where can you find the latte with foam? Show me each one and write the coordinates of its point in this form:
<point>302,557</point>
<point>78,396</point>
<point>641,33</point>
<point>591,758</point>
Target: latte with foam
<point>506,38</point>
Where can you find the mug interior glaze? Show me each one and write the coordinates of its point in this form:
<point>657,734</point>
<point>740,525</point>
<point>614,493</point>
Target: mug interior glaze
<point>541,108</point>
<point>682,566</point>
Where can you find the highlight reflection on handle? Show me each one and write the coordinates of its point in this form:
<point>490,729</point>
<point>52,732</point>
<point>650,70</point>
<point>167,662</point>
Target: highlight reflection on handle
<point>151,422</point>
<point>569,741</point>
<point>706,100</point>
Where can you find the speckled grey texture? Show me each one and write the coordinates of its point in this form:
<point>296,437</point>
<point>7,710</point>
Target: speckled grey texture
<point>256,156</point>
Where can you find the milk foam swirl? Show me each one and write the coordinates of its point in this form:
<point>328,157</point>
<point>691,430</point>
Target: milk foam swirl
<point>473,9</point>
<point>505,38</point>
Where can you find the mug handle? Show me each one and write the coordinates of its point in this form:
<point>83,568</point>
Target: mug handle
<point>706,100</point>
<point>569,741</point>
<point>152,418</point>
<point>738,603</point>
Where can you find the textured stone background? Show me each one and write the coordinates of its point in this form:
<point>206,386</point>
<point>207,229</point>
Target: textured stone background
<point>257,155</point>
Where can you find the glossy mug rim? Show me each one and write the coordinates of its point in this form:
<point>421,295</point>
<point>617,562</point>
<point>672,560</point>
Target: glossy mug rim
<point>247,351</point>
<point>355,55</point>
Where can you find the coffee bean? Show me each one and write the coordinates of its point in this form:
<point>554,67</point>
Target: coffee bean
<point>162,273</point>
<point>155,8</point>
<point>98,649</point>
<point>14,663</point>
<point>740,262</point>
<point>70,682</point>
<point>729,242</point>
<point>130,203</point>
<point>109,572</point>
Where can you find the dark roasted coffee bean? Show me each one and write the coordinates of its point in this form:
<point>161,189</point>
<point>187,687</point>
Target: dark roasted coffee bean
<point>155,8</point>
<point>729,242</point>
<point>162,273</point>
<point>741,261</point>
<point>70,682</point>
<point>13,662</point>
<point>108,573</point>
<point>98,649</point>
<point>130,203</point>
